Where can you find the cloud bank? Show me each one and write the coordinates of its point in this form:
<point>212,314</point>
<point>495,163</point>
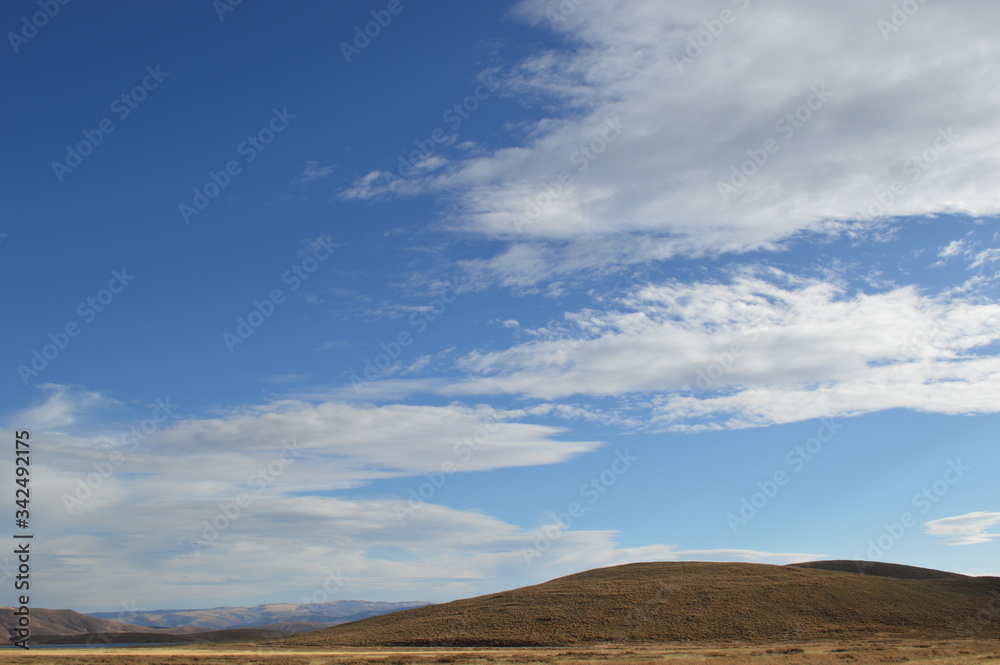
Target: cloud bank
<point>690,128</point>
<point>761,348</point>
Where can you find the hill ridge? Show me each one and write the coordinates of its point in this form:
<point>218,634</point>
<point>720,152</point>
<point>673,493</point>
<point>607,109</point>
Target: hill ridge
<point>879,569</point>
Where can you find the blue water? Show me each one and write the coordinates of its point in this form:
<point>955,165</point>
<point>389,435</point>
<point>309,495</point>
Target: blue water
<point>95,645</point>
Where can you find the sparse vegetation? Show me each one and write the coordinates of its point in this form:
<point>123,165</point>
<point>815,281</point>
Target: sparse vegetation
<point>692,602</point>
<point>966,652</point>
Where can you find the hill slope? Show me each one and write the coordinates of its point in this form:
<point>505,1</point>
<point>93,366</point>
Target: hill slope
<point>689,602</point>
<point>64,622</point>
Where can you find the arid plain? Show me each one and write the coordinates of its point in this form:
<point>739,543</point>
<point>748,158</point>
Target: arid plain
<point>949,652</point>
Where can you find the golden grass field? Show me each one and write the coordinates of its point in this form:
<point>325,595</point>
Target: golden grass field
<point>954,652</point>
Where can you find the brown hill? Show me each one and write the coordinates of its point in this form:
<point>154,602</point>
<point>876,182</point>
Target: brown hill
<point>691,602</point>
<point>64,622</point>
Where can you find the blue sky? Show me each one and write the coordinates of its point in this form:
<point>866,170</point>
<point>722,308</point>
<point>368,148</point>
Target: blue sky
<point>498,292</point>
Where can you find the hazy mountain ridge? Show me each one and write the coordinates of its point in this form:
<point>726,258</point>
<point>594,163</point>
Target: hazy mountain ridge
<point>272,615</point>
<point>208,625</point>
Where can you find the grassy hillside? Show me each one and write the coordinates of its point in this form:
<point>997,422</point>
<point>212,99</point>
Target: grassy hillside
<point>691,602</point>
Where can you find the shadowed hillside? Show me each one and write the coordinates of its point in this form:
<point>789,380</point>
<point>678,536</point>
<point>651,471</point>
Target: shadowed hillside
<point>64,622</point>
<point>693,602</point>
<point>879,569</point>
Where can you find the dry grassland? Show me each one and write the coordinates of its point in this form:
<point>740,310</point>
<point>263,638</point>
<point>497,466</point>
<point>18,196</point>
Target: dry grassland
<point>955,652</point>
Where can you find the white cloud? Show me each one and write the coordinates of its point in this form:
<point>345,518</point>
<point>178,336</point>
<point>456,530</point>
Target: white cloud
<point>339,438</point>
<point>954,248</point>
<point>437,554</point>
<point>216,501</point>
<point>968,529</point>
<point>912,107</point>
<point>63,406</point>
<point>988,258</point>
<point>313,171</point>
<point>761,349</point>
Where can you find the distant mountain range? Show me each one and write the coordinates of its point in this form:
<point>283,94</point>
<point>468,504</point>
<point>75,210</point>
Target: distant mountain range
<point>274,615</point>
<point>214,624</point>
